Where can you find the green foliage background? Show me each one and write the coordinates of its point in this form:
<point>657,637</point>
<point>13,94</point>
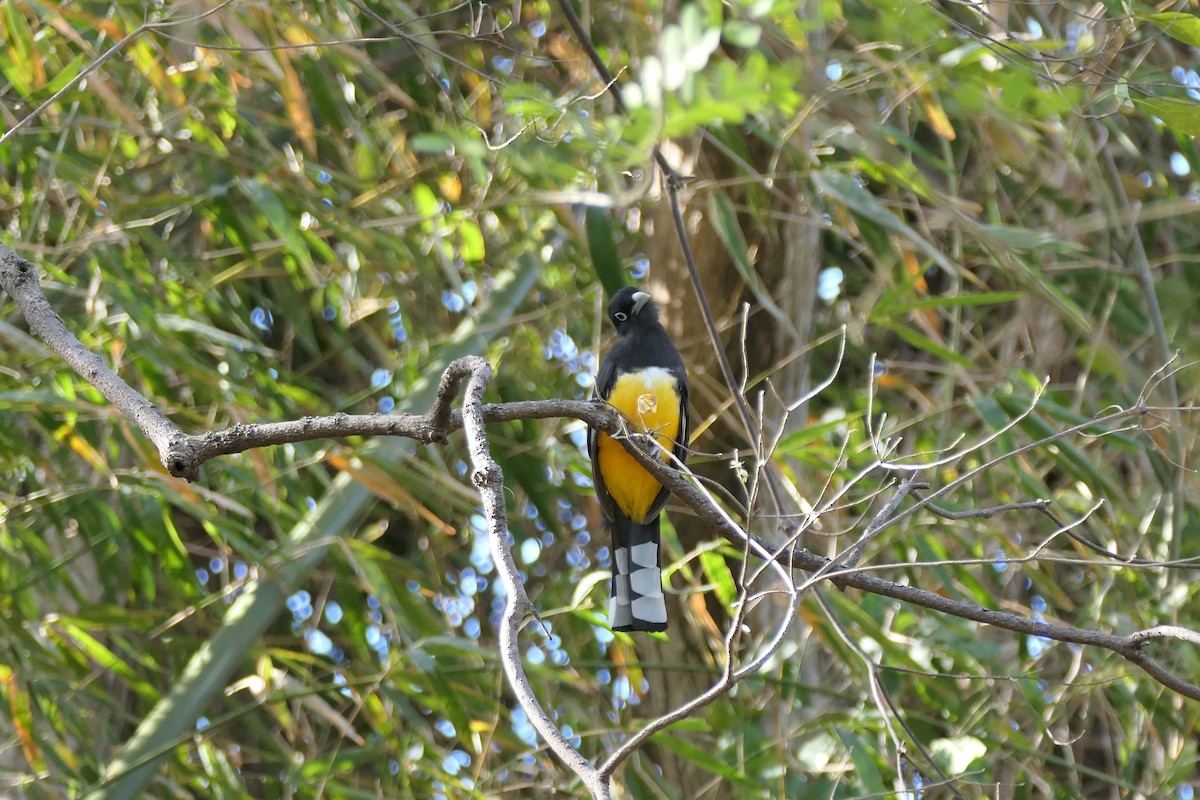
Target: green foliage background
<point>265,210</point>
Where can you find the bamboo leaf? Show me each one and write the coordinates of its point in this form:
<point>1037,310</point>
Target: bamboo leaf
<point>1178,25</point>
<point>1179,115</point>
<point>729,231</point>
<point>848,192</point>
<point>704,759</point>
<point>602,246</point>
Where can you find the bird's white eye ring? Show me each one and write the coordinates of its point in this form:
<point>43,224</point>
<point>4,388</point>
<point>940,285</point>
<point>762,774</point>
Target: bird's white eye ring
<point>621,316</point>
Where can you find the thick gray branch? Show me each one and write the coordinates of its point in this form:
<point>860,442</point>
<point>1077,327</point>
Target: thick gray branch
<point>20,279</point>
<point>489,479</point>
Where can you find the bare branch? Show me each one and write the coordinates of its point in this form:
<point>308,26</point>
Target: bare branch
<point>955,455</point>
<point>20,279</point>
<point>985,513</point>
<point>1165,632</point>
<point>823,568</point>
<point>850,557</point>
<point>1134,561</point>
<point>731,674</point>
<point>1127,647</point>
<point>489,479</point>
<point>969,475</point>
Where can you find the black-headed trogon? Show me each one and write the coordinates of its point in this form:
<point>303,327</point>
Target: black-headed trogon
<point>642,377</point>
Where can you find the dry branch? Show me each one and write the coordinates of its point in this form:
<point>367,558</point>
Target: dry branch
<point>489,479</point>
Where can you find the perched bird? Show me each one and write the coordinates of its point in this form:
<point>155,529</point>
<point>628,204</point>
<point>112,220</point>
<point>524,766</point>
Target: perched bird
<point>642,377</point>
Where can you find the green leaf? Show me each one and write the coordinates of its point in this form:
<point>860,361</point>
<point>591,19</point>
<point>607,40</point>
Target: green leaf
<point>213,334</point>
<point>717,570</point>
<point>425,201</point>
<point>1178,115</point>
<point>278,218</point>
<point>741,34</point>
<point>17,63</point>
<point>432,143</point>
<point>729,231</point>
<point>97,652</point>
<point>1178,25</point>
<point>1016,238</point>
<point>923,342</point>
<point>894,308</point>
<point>445,696</point>
<point>602,245</point>
<point>865,766</point>
<point>699,39</point>
<point>473,249</point>
<point>585,585</point>
<point>65,75</point>
<point>705,760</point>
<point>848,192</point>
<point>814,435</point>
<point>1032,276</point>
<point>956,755</point>
<point>670,71</point>
<point>1073,460</point>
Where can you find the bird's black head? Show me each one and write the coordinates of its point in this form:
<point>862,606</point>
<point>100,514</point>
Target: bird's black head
<point>630,308</point>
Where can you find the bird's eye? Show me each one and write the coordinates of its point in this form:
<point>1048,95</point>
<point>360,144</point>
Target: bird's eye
<point>620,316</point>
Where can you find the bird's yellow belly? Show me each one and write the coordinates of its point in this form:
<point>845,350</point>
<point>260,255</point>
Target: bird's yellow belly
<point>650,399</point>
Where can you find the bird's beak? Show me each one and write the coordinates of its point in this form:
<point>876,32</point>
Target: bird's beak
<point>639,300</point>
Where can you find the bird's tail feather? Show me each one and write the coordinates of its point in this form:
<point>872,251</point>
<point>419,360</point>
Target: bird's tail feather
<point>637,602</point>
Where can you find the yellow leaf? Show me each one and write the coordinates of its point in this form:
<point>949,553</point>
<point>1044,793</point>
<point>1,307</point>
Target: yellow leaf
<point>84,450</point>
<point>384,486</point>
<point>937,117</point>
<point>296,102</point>
<point>21,715</point>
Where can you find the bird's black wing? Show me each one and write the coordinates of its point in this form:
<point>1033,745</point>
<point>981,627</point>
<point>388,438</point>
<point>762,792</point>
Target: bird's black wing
<point>602,388</point>
<point>685,422</point>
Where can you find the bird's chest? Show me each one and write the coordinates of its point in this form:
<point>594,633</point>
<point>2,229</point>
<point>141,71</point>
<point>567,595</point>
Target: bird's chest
<point>649,398</point>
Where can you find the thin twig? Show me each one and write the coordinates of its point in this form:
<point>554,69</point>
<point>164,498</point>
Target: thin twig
<point>1165,632</point>
<point>883,700</point>
<point>850,557</point>
<point>969,475</point>
<point>1133,561</point>
<point>821,568</point>
<point>1043,506</point>
<point>100,61</point>
<point>986,513</point>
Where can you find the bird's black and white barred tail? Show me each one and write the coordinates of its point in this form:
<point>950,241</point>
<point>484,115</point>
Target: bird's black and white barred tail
<point>636,601</point>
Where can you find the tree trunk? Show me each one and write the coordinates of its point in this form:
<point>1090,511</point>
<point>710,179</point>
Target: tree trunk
<point>786,256</point>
